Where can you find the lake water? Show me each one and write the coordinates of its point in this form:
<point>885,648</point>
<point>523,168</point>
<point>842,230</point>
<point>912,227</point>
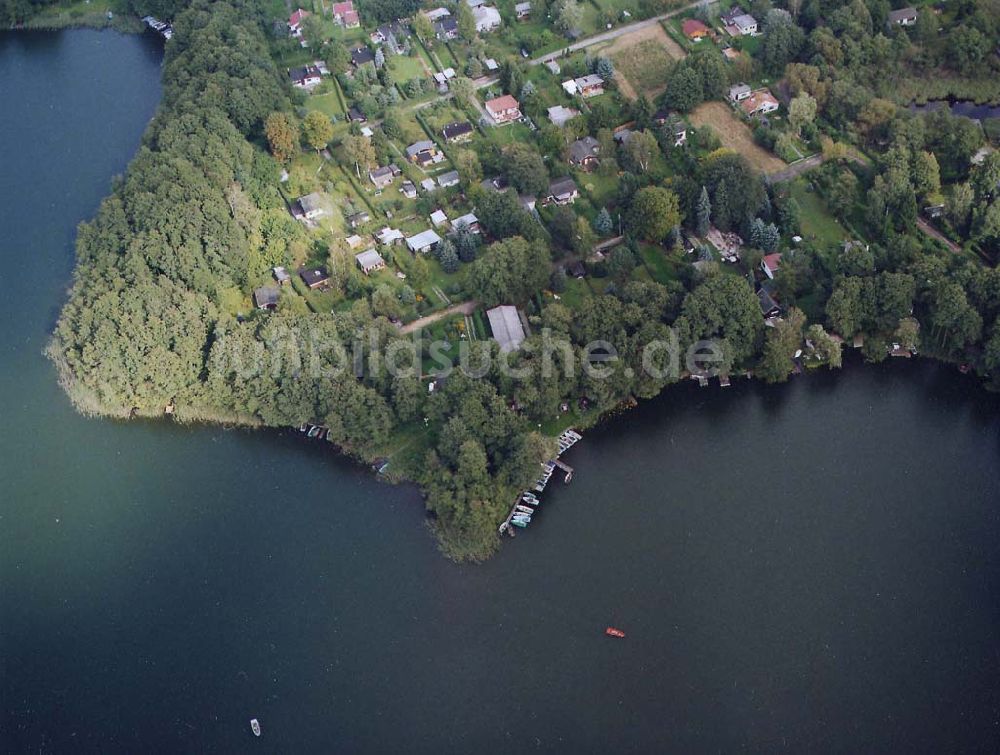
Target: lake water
<point>813,567</point>
<point>965,109</point>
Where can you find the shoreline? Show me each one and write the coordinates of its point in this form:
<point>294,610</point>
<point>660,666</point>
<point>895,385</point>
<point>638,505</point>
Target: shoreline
<point>196,398</point>
<point>67,20</point>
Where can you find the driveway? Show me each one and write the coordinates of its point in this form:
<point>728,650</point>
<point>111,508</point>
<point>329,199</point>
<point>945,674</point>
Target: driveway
<point>795,169</point>
<point>934,233</point>
<point>465,308</point>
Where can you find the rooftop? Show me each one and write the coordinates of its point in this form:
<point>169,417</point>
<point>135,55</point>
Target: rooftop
<point>506,326</point>
<point>499,104</point>
<point>369,259</point>
<point>425,145</point>
<point>559,114</point>
<point>423,239</point>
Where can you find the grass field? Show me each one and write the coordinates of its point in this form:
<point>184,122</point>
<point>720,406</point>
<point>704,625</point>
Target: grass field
<point>734,134</point>
<point>817,222</point>
<point>90,13</point>
<point>642,61</point>
<point>328,104</point>
<point>660,267</point>
<point>404,68</point>
<point>576,291</point>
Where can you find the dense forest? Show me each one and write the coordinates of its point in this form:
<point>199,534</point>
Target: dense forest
<point>150,320</point>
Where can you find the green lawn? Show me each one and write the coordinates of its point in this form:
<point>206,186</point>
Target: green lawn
<point>447,331</point>
<point>602,190</point>
<point>817,222</point>
<point>92,13</point>
<point>328,104</point>
<point>660,267</point>
<point>403,68</point>
<point>576,291</point>
<point>510,133</point>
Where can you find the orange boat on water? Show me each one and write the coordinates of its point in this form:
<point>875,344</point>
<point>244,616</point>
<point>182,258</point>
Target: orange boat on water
<point>612,632</point>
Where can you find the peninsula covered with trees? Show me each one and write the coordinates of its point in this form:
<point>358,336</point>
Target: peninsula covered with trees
<point>369,178</point>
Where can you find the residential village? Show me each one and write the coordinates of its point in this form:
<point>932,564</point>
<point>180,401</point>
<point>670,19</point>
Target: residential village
<point>431,114</point>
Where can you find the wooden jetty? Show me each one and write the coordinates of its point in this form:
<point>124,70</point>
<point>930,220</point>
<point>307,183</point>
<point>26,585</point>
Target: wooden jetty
<point>567,440</point>
<point>565,468</point>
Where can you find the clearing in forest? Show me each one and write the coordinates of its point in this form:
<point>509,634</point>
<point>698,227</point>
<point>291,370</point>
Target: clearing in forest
<point>642,60</point>
<point>734,134</point>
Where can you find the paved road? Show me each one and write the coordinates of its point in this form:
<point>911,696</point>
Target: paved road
<point>607,36</point>
<point>465,308</point>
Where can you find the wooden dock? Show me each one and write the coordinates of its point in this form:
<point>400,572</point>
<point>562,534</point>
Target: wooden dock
<point>566,441</point>
<point>565,468</point>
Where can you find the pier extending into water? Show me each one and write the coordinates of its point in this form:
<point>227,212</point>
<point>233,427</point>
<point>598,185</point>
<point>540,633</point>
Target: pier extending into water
<point>528,499</point>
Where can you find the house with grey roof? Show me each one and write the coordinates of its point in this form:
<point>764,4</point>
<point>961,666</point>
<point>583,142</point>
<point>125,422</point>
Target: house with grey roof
<point>562,191</point>
<point>505,323</point>
<point>902,17</point>
<point>448,179</point>
<point>266,297</point>
<point>739,92</point>
<point>311,206</point>
<point>583,152</point>
<point>423,242</point>
<point>381,177</point>
<point>369,261</point>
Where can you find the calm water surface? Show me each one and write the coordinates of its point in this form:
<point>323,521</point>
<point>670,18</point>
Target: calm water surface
<point>811,567</point>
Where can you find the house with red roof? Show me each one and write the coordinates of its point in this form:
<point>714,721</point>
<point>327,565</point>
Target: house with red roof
<point>345,15</point>
<point>503,109</point>
<point>770,264</point>
<point>760,102</point>
<point>694,29</point>
<point>295,21</point>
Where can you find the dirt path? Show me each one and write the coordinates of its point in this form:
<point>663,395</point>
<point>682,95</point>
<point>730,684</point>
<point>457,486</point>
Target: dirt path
<point>934,233</point>
<point>465,308</point>
<point>795,169</point>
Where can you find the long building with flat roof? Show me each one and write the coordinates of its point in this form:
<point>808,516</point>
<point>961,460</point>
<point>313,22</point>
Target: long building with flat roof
<point>506,326</point>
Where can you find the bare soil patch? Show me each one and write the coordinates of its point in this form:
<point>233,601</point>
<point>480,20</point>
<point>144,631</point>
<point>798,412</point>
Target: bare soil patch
<point>642,60</point>
<point>734,134</point>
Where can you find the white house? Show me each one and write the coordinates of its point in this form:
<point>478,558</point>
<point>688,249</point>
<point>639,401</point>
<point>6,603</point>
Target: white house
<point>311,206</point>
<point>487,18</point>
<point>902,17</point>
<point>389,236</point>
<point>437,14</point>
<point>738,92</point>
<point>746,25</point>
<point>305,77</point>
